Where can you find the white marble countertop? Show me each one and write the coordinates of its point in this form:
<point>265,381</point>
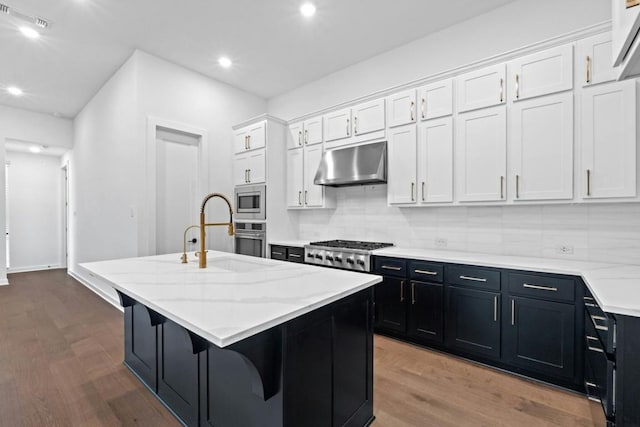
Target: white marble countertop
<point>295,243</point>
<point>616,287</point>
<point>235,297</point>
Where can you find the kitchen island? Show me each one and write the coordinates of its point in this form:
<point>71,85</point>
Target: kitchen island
<point>248,341</point>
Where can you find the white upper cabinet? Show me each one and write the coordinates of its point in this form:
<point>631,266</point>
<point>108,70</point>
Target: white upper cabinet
<point>250,137</point>
<point>593,60</point>
<point>542,148</point>
<point>401,163</point>
<point>240,168</point>
<point>257,167</point>
<point>313,194</point>
<point>435,161</point>
<point>337,125</point>
<point>368,117</point>
<point>308,132</point>
<point>609,139</point>
<point>541,73</point>
<point>402,108</point>
<point>436,99</point>
<point>295,178</point>
<point>481,88</point>
<point>481,155</point>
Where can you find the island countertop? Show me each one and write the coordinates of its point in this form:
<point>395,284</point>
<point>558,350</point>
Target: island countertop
<point>235,297</point>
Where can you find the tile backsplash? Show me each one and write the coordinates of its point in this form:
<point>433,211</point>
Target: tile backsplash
<point>595,232</point>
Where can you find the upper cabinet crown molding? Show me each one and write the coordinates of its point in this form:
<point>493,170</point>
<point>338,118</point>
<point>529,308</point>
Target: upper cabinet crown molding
<point>541,73</point>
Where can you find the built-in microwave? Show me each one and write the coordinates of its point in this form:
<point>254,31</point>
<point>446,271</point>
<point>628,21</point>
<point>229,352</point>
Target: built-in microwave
<point>251,202</point>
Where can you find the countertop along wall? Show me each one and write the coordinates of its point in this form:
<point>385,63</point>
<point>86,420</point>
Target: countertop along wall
<point>607,232</point>
<point>110,210</point>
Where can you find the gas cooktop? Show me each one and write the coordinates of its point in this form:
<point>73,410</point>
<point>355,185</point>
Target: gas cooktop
<point>352,244</point>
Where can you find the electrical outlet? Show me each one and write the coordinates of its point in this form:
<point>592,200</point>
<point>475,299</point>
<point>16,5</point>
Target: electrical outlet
<point>565,249</point>
<point>441,243</point>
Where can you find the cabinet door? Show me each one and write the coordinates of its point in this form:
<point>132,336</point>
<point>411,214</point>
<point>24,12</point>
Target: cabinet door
<point>401,155</point>
<point>257,135</point>
<point>390,305</point>
<point>473,321</point>
<point>593,60</point>
<point>542,142</point>
<point>337,125</point>
<point>313,194</point>
<point>241,169</point>
<point>540,335</point>
<point>426,311</point>
<point>295,178</point>
<point>609,141</point>
<point>481,154</point>
<point>402,108</point>
<point>481,88</point>
<point>241,141</point>
<point>313,131</point>
<point>436,100</point>
<point>257,167</point>
<point>368,117</point>
<point>541,73</point>
<point>295,135</point>
<point>435,161</point>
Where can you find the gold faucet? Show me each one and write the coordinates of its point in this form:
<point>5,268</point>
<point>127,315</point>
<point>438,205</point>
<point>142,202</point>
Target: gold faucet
<point>183,258</point>
<point>202,255</point>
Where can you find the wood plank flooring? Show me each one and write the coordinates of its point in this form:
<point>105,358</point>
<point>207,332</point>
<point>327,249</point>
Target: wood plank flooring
<point>61,350</point>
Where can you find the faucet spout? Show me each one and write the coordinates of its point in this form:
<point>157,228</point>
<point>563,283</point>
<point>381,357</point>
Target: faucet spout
<point>202,255</point>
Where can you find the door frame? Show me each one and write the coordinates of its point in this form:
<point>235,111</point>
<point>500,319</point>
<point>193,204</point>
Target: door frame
<point>147,216</point>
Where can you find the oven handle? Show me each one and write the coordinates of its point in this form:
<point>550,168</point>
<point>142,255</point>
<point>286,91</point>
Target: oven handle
<point>249,236</point>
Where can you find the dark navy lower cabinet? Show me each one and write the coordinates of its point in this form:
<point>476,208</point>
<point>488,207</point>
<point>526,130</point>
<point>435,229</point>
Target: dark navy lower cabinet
<point>426,309</point>
<point>540,335</point>
<point>391,306</point>
<point>473,321</point>
<point>315,370</point>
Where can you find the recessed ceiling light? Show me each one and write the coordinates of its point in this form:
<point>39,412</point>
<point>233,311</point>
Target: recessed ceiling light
<point>308,10</point>
<point>35,149</point>
<point>224,62</point>
<point>15,91</point>
<point>29,32</point>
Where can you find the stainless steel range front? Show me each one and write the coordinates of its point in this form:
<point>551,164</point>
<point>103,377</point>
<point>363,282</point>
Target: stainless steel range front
<point>343,254</point>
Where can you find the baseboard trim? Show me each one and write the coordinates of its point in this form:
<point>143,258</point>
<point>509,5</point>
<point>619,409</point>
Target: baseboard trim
<point>34,268</point>
<point>95,289</point>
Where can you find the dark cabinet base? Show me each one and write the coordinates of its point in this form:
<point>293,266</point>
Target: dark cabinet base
<point>316,369</point>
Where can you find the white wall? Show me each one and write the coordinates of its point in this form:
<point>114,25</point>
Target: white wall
<point>510,27</point>
<point>33,127</point>
<point>109,161</point>
<point>35,212</point>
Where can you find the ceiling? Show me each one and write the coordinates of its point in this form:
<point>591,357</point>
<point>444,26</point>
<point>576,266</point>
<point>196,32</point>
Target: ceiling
<point>273,47</point>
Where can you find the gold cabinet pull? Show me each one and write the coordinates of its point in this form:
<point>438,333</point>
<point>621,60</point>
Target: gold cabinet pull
<point>588,182</point>
<point>427,272</point>
<point>391,267</point>
<point>473,279</point>
<point>413,293</point>
<point>517,86</point>
<point>306,201</point>
<point>422,107</point>
<point>495,308</point>
<point>501,90</point>
<point>249,175</point>
<point>502,187</point>
<point>347,127</point>
<point>517,186</point>
<point>248,142</point>
<point>413,187</point>
<point>413,104</point>
<point>300,198</point>
<point>246,175</point>
<point>299,137</point>
<point>402,291</point>
<point>513,312</point>
<point>306,136</point>
<point>540,287</point>
<point>423,191</point>
<point>588,69</point>
<point>355,125</point>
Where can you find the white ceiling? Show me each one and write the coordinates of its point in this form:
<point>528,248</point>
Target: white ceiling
<point>273,47</point>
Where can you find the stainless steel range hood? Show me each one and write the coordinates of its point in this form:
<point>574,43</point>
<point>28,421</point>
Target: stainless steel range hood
<point>359,165</point>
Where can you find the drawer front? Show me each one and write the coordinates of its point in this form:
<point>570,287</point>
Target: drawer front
<point>279,252</point>
<point>599,324</point>
<point>295,254</point>
<point>539,286</point>
<point>390,267</point>
<point>474,276</point>
<point>602,370</point>
<point>426,271</point>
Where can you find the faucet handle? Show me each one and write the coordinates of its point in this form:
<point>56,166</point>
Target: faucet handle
<point>230,229</point>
